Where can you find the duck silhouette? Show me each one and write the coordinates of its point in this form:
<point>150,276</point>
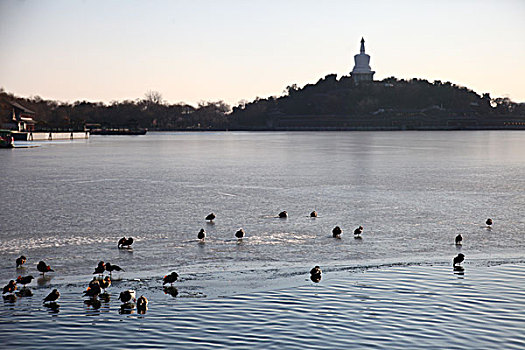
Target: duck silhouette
<point>458,259</point>
<point>53,296</point>
<point>20,261</point>
<point>125,242</point>
<point>240,233</point>
<point>172,277</point>
<point>489,222</point>
<point>459,239</point>
<point>24,280</point>
<point>283,214</point>
<point>142,304</point>
<point>337,232</point>
<point>105,283</point>
<point>10,287</point>
<point>202,234</point>
<point>127,296</point>
<point>110,268</point>
<point>315,274</point>
<point>313,214</point>
<point>43,267</point>
<point>101,267</point>
<point>210,217</point>
<point>93,290</point>
<point>358,231</point>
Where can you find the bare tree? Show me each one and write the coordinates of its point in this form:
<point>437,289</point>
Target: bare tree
<point>153,97</point>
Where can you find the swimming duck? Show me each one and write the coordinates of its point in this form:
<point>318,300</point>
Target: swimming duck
<point>43,267</point>
<point>313,214</point>
<point>458,259</point>
<point>201,235</point>
<point>210,217</point>
<point>283,214</point>
<point>172,277</point>
<point>125,242</point>
<point>459,239</point>
<point>10,287</point>
<point>336,232</point>
<point>240,233</point>
<point>358,231</point>
<point>489,222</point>
<point>20,261</point>
<point>53,296</point>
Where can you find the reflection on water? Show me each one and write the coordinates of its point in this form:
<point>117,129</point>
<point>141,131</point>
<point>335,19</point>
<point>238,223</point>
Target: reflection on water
<point>43,280</point>
<point>459,270</point>
<point>173,291</point>
<point>53,307</point>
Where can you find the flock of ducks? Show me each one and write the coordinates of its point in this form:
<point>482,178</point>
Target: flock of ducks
<point>239,234</point>
<point>98,285</point>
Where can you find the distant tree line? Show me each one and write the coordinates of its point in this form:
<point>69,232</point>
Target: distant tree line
<point>150,112</point>
<point>329,96</point>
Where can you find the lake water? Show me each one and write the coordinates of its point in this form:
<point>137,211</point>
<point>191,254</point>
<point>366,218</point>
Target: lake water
<point>68,203</point>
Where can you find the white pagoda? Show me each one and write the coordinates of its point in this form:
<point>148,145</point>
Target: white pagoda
<point>362,70</point>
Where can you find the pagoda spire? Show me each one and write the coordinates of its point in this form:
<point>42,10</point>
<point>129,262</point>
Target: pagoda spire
<point>362,45</point>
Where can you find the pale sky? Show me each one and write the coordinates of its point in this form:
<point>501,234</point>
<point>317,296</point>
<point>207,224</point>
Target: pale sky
<point>193,51</point>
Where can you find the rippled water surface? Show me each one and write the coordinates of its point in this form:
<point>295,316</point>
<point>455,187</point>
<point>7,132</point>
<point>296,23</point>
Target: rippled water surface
<point>68,203</point>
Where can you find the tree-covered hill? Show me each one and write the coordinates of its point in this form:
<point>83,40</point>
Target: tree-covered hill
<point>332,103</point>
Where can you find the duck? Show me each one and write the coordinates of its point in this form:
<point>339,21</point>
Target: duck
<point>336,232</point>
<point>458,259</point>
<point>459,239</point>
<point>127,296</point>
<point>172,277</point>
<point>43,267</point>
<point>24,280</point>
<point>20,261</point>
<point>283,214</point>
<point>313,214</point>
<point>101,267</point>
<point>210,217</point>
<point>110,268</point>
<point>9,287</point>
<point>93,290</point>
<point>489,222</point>
<point>125,242</point>
<point>202,234</point>
<point>240,233</point>
<point>53,296</point>
<point>358,231</point>
<point>316,270</point>
<point>105,283</point>
<point>315,274</point>
<point>142,304</point>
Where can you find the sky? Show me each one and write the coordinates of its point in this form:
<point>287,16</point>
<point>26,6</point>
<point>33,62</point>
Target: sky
<point>233,50</point>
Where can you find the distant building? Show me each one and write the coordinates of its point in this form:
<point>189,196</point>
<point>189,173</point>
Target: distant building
<point>362,70</point>
<point>22,118</point>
